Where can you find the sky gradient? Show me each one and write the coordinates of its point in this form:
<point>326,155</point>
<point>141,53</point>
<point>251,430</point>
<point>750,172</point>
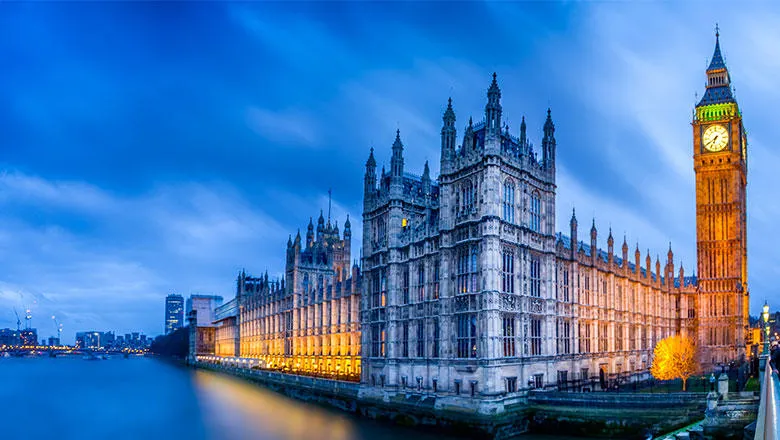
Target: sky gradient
<point>156,147</point>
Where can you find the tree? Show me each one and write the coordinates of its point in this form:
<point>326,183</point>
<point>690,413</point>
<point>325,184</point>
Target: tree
<point>674,357</point>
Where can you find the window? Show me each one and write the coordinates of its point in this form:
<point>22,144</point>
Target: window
<point>375,291</point>
<point>467,335</point>
<point>467,269</point>
<point>535,277</point>
<point>435,290</point>
<point>535,216</point>
<point>511,384</point>
<point>631,337</point>
<point>420,281</point>
<point>405,284</point>
<point>405,339</point>
<point>508,269</point>
<point>585,337</point>
<point>435,353</point>
<point>381,230</point>
<point>509,201</point>
<point>420,338</point>
<point>538,380</point>
<point>565,288</point>
<point>564,338</point>
<point>618,337</point>
<point>466,198</point>
<point>603,338</point>
<point>536,337</point>
<point>508,332</point>
<point>378,340</point>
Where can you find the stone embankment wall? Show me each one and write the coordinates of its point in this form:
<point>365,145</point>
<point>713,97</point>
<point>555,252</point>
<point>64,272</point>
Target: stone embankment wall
<point>606,415</point>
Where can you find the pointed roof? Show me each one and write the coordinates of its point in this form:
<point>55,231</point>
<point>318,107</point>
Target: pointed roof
<point>717,62</point>
<point>398,143</point>
<point>371,162</point>
<point>449,114</point>
<point>494,86</point>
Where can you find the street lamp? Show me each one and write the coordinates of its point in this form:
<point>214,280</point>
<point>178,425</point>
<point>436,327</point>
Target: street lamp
<point>765,315</point>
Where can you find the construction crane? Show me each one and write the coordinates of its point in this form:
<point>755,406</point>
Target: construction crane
<point>58,326</point>
<point>18,321</point>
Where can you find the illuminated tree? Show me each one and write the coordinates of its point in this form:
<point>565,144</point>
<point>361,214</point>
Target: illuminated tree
<point>674,357</point>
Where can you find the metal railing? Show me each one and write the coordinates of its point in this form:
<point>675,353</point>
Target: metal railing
<point>767,421</point>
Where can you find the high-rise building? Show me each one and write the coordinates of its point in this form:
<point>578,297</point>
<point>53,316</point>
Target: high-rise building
<point>174,314</point>
<point>720,164</point>
<point>204,306</point>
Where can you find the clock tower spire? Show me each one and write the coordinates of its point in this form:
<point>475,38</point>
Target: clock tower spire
<point>720,165</point>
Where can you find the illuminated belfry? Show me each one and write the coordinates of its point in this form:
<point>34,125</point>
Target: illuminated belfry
<point>720,165</point>
<point>308,321</point>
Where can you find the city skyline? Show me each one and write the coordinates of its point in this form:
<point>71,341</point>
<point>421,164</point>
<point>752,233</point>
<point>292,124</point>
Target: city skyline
<point>105,233</point>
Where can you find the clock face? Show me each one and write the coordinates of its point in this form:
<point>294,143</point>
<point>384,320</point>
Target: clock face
<point>715,138</point>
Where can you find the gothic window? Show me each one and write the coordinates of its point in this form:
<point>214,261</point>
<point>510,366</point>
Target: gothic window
<point>587,290</point>
<point>535,275</point>
<point>383,285</point>
<point>467,269</point>
<point>435,353</point>
<point>631,337</point>
<point>405,339</point>
<point>420,338</point>
<point>467,197</point>
<point>536,337</point>
<point>509,201</point>
<point>381,230</point>
<point>376,293</point>
<point>535,216</point>
<point>508,333</point>
<point>420,281</point>
<point>435,290</point>
<point>603,347</point>
<point>564,338</point>
<point>585,337</point>
<point>619,337</point>
<point>378,340</point>
<point>405,284</point>
<point>565,285</point>
<point>508,271</point>
<point>467,335</point>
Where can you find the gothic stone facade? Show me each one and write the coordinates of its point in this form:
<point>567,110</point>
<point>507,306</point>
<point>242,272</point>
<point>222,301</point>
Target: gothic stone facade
<point>469,290</point>
<point>308,322</point>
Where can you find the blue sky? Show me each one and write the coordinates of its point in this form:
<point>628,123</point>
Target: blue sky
<point>149,148</point>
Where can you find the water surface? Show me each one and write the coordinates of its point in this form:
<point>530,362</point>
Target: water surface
<point>143,398</point>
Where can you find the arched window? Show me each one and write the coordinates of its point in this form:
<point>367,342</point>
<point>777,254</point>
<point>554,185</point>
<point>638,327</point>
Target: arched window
<point>535,218</point>
<point>509,201</point>
<point>467,195</point>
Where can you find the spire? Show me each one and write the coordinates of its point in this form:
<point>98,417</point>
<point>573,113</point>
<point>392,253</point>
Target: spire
<point>523,138</point>
<point>371,162</point>
<point>717,58</point>
<point>493,108</point>
<point>397,161</point>
<point>347,224</point>
<point>449,137</point>
<point>449,114</point>
<point>718,79</point>
<point>426,172</point>
<point>548,142</point>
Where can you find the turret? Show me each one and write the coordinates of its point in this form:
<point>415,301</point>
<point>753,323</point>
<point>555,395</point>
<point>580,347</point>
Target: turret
<point>493,109</point>
<point>426,180</point>
<point>320,226</point>
<point>573,226</point>
<point>397,161</point>
<point>682,276</point>
<point>548,143</point>
<point>468,138</point>
<point>369,180</point>
<point>310,234</point>
<point>449,137</point>
<point>297,242</point>
<point>657,269</point>
<point>593,233</point>
<point>625,252</point>
<point>637,256</point>
<point>610,247</point>
<point>648,262</point>
<point>523,137</point>
<point>347,230</point>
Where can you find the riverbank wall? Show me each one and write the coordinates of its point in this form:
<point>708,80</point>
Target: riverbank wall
<point>604,415</point>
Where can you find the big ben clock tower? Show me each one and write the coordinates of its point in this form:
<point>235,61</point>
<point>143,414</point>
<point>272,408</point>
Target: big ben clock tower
<point>720,165</point>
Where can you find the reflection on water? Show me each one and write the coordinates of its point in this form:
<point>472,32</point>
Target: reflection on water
<point>140,398</point>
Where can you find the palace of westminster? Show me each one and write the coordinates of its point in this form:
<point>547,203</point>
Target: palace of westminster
<point>466,287</point>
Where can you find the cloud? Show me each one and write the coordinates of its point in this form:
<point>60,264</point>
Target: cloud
<point>285,127</point>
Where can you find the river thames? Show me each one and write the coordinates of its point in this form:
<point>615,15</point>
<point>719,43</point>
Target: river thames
<point>142,398</point>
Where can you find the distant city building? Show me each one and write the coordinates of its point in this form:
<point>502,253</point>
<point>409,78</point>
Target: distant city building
<point>29,336</point>
<point>91,339</point>
<point>9,336</point>
<point>204,306</point>
<point>174,312</point>
<point>54,340</point>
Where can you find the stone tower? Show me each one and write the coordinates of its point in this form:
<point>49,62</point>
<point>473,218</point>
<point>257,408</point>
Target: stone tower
<point>720,165</point>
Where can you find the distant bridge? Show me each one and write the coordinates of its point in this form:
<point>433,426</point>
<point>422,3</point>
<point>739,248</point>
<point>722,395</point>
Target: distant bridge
<point>26,350</point>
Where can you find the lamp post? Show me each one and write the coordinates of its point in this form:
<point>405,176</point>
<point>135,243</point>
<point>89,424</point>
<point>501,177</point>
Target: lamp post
<point>765,315</point>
